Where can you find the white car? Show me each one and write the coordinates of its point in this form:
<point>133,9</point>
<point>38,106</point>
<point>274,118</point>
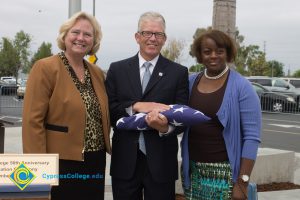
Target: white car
<point>294,81</point>
<point>21,89</point>
<point>8,79</point>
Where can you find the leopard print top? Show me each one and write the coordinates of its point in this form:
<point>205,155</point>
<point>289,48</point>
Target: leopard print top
<point>93,133</point>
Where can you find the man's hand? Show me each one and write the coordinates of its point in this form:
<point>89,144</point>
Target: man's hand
<point>157,121</point>
<point>146,107</point>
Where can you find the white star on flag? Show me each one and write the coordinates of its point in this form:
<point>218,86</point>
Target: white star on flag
<point>179,110</point>
<point>141,129</point>
<point>176,123</point>
<point>120,121</point>
<point>198,112</point>
<point>138,116</point>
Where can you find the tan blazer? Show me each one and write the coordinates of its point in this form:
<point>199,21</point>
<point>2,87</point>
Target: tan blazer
<point>54,113</point>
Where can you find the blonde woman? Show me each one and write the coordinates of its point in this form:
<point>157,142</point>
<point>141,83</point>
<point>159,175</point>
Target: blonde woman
<point>66,111</point>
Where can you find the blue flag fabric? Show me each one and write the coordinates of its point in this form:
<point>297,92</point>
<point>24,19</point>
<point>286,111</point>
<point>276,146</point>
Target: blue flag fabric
<point>177,115</point>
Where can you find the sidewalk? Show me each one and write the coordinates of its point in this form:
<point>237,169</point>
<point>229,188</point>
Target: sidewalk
<point>13,144</point>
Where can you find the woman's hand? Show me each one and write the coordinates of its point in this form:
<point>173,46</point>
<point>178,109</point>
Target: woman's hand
<point>240,191</point>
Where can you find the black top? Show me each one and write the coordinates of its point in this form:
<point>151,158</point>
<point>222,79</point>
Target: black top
<point>206,142</point>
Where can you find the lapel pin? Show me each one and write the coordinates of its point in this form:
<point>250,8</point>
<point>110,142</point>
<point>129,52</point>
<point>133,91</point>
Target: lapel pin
<point>160,74</point>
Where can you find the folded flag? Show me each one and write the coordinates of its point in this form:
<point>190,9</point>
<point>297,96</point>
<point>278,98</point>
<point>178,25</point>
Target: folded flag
<point>177,115</point>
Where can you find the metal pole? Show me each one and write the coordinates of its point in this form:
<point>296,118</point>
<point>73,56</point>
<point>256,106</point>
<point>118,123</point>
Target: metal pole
<point>0,98</point>
<point>2,137</point>
<point>2,133</point>
<point>272,69</point>
<point>74,7</point>
<point>94,8</point>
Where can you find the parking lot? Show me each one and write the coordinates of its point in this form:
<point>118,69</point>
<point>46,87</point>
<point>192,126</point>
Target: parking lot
<point>281,131</point>
<point>11,109</point>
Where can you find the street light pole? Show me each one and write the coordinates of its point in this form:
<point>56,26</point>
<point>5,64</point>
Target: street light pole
<point>94,8</point>
<point>74,7</point>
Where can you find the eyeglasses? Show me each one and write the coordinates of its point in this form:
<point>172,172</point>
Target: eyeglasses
<point>148,34</point>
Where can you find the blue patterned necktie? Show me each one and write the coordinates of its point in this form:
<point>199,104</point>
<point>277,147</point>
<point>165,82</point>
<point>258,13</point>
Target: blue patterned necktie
<point>145,81</point>
<point>146,76</point>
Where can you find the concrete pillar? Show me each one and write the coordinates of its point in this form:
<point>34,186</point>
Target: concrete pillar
<point>224,16</point>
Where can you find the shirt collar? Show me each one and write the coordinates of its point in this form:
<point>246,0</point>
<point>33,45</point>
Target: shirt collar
<point>142,60</point>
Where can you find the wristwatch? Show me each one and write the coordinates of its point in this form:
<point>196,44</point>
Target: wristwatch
<point>245,178</point>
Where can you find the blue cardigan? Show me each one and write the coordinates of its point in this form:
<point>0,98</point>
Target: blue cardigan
<point>240,115</point>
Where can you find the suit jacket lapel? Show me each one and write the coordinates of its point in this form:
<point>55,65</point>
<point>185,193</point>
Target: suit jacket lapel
<point>133,71</point>
<point>157,74</point>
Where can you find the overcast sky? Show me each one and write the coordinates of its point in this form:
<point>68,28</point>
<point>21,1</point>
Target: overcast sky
<point>274,25</point>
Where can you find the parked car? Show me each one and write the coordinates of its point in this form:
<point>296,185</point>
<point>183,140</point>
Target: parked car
<point>275,102</point>
<point>277,85</point>
<point>21,89</point>
<point>8,79</point>
<point>8,88</point>
<point>294,81</point>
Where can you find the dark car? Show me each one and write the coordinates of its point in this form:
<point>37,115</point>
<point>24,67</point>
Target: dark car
<point>8,88</point>
<point>277,85</point>
<point>275,102</point>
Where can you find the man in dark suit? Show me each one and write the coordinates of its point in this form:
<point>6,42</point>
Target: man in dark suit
<point>145,163</point>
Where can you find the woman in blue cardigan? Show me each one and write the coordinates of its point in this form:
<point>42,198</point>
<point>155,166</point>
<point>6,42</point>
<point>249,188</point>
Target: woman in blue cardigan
<point>218,156</point>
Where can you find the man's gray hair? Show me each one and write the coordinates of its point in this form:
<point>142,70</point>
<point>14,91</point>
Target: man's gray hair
<point>151,16</point>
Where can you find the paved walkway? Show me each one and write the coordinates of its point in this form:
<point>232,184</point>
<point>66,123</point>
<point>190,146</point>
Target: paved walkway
<point>13,144</point>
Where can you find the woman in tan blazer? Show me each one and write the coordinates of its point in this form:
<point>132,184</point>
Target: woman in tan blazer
<point>66,111</point>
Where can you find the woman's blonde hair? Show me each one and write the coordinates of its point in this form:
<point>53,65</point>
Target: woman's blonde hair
<point>66,26</point>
